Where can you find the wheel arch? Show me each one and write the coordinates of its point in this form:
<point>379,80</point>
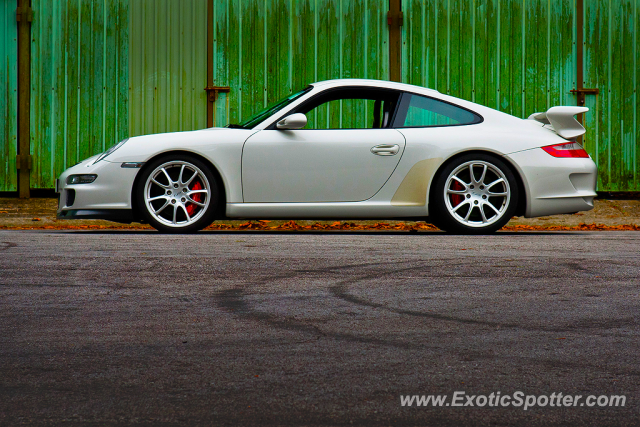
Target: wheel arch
<point>214,170</point>
<point>522,201</point>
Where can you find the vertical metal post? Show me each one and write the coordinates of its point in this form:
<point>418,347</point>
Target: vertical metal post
<point>24,16</point>
<point>210,100</point>
<point>579,54</point>
<point>394,20</point>
<point>580,91</point>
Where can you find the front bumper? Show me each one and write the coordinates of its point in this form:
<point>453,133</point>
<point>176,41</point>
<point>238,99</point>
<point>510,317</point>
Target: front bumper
<point>108,197</point>
<point>555,185</point>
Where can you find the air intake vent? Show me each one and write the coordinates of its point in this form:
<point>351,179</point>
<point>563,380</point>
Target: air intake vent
<point>71,197</point>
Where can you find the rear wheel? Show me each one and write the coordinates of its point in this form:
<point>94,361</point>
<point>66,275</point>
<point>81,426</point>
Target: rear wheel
<point>177,194</point>
<point>475,194</point>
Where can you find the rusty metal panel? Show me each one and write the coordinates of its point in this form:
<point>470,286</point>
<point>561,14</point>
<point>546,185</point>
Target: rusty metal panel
<point>267,49</point>
<point>611,61</point>
<point>167,68</point>
<point>8,96</point>
<point>79,72</point>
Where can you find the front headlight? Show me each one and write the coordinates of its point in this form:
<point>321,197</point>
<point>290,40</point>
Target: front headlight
<point>81,179</point>
<point>111,150</point>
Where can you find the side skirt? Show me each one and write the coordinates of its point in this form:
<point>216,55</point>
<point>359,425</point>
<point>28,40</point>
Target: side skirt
<point>343,210</point>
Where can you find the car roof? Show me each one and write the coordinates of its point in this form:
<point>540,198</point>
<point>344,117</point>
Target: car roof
<point>373,83</point>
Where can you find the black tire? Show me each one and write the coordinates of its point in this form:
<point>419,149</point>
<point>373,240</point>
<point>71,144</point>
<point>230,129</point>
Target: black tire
<point>185,213</point>
<point>469,205</point>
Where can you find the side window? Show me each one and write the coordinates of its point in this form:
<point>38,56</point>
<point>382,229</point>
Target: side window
<point>352,108</point>
<point>421,111</point>
<point>343,114</point>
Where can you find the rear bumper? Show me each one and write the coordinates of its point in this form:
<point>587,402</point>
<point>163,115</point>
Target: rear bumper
<point>555,185</point>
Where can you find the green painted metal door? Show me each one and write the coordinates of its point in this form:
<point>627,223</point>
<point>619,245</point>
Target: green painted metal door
<point>267,49</point>
<point>8,96</point>
<point>79,74</point>
<point>167,68</point>
<point>611,61</point>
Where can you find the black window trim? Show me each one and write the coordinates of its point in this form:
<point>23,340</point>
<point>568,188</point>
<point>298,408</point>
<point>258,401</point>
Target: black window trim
<point>305,103</point>
<point>404,99</point>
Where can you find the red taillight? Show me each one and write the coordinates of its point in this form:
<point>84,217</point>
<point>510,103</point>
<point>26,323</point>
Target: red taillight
<point>570,149</point>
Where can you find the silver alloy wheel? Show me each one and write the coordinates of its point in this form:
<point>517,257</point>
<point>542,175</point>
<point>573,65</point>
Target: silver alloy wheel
<point>177,193</point>
<point>477,193</point>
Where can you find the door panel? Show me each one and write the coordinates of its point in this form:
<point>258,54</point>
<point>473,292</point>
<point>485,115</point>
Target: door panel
<point>318,165</point>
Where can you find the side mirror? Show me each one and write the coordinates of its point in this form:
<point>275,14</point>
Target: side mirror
<point>294,121</point>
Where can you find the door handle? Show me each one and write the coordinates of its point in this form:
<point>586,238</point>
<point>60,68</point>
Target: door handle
<point>386,150</point>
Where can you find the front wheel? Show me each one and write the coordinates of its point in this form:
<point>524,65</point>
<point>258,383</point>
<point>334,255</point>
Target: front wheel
<point>177,194</point>
<point>475,194</point>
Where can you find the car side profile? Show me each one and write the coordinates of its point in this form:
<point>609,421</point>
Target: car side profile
<point>345,149</point>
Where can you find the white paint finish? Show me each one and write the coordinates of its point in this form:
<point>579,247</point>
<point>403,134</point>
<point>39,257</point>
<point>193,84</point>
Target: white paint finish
<point>294,121</point>
<point>548,181</point>
<point>338,168</point>
<point>308,165</point>
<point>443,143</point>
<point>222,147</point>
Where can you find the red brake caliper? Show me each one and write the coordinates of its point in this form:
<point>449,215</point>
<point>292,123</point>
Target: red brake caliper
<point>456,199</point>
<point>191,208</point>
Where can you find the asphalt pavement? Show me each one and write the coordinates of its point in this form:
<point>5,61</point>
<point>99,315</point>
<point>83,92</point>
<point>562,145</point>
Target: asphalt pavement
<point>229,328</point>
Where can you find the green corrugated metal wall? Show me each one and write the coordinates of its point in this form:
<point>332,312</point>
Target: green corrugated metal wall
<point>266,49</point>
<point>168,65</point>
<point>612,58</point>
<point>8,96</point>
<point>79,74</point>
<point>104,69</point>
<point>263,50</point>
<point>513,55</point>
<point>519,56</point>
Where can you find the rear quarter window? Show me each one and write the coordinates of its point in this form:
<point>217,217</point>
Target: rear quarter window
<point>422,111</point>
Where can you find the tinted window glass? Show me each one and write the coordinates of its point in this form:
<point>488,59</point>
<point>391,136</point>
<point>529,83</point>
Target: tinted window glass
<point>422,111</point>
<point>350,108</point>
<point>349,114</point>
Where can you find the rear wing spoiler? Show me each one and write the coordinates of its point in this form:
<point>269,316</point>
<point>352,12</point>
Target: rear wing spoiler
<point>562,120</point>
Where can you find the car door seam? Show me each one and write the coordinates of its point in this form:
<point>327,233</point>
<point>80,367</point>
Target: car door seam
<point>395,168</point>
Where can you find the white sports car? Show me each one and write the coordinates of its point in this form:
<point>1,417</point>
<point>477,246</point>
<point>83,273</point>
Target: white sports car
<point>345,149</point>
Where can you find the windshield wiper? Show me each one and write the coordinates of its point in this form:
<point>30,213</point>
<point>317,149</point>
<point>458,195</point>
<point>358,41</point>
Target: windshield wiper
<point>234,126</point>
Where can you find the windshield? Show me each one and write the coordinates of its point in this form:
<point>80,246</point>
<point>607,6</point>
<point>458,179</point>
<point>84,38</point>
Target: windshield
<point>274,108</point>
